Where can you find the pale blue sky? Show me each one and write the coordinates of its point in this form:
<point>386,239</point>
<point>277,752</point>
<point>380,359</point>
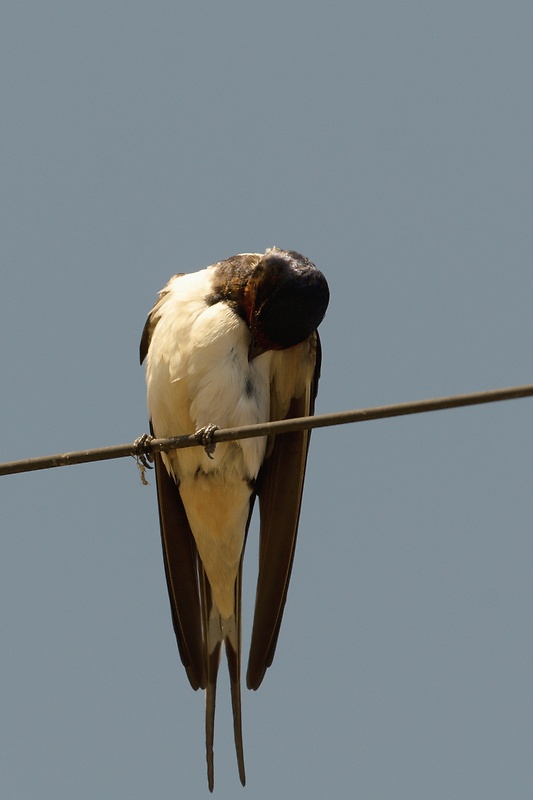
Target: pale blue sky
<point>390,142</point>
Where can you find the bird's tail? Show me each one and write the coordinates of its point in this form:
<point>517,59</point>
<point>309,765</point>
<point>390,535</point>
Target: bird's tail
<point>220,631</point>
<point>233,654</point>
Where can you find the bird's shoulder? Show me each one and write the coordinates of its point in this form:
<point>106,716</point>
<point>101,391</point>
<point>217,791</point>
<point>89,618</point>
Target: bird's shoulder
<point>187,295</point>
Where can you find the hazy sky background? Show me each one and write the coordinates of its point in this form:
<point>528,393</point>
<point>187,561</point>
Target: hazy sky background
<point>391,143</point>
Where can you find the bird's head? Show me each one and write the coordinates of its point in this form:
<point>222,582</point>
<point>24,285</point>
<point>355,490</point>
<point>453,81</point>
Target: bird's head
<point>285,300</point>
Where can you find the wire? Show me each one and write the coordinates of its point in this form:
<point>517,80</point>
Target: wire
<point>144,447</point>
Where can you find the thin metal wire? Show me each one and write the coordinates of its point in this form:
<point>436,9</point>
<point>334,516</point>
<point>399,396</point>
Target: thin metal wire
<point>140,448</point>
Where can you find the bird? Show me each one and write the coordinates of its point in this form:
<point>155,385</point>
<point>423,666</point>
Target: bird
<point>233,344</point>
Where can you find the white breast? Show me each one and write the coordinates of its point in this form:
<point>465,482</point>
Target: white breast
<point>198,373</point>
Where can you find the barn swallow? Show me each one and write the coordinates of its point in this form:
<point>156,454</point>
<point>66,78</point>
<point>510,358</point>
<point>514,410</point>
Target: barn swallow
<point>233,344</point>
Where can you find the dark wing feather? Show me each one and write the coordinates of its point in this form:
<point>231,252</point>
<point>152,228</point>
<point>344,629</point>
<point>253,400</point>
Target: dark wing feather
<point>181,570</point>
<point>279,488</point>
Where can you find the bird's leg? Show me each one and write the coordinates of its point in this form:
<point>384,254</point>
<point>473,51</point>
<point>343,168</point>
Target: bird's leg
<point>143,456</point>
<point>204,436</point>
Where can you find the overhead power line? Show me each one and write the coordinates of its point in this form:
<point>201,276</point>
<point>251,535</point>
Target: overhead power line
<point>145,447</point>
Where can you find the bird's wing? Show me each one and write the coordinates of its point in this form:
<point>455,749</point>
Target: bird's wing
<point>279,488</point>
<point>182,573</point>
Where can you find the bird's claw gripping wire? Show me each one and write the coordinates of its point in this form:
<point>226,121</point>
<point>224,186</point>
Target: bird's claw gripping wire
<point>143,455</point>
<point>204,436</point>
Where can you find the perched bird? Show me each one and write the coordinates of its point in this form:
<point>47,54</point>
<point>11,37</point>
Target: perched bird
<point>233,344</point>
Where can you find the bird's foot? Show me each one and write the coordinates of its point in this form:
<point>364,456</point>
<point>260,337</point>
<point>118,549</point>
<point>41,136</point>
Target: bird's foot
<point>204,436</point>
<point>143,455</point>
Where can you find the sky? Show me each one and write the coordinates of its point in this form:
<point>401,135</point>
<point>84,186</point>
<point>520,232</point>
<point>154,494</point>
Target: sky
<point>390,142</point>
